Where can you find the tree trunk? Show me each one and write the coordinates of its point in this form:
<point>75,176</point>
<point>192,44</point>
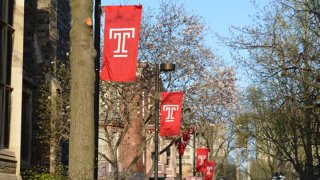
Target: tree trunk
<point>53,128</point>
<point>308,147</point>
<point>237,164</point>
<point>81,147</point>
<point>248,162</point>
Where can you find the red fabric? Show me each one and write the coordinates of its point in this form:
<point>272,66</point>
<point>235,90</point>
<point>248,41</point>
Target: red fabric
<point>191,130</point>
<point>183,142</point>
<point>171,108</point>
<point>181,146</point>
<point>121,39</point>
<point>186,136</point>
<point>209,170</point>
<point>202,158</point>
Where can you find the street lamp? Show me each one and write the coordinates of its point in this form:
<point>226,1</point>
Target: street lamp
<point>159,67</point>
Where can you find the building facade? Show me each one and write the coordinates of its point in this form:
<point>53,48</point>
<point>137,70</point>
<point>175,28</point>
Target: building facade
<point>46,44</point>
<point>32,34</point>
<point>11,73</point>
<point>167,168</point>
<point>215,141</point>
<point>139,136</point>
<point>124,114</point>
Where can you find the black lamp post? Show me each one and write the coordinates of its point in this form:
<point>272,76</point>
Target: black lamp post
<point>97,17</point>
<point>180,164</point>
<point>159,68</point>
<point>194,153</point>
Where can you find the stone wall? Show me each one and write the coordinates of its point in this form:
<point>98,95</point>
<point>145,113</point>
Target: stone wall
<point>28,35</point>
<point>12,154</point>
<point>8,163</point>
<point>59,28</point>
<point>46,40</point>
<point>64,26</point>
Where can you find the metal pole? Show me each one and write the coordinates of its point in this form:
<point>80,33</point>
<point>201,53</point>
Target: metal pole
<point>194,154</point>
<point>97,15</point>
<point>180,165</point>
<point>156,122</point>
<point>159,67</point>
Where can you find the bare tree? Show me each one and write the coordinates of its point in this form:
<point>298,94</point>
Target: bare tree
<point>284,56</point>
<point>125,113</point>
<point>171,35</point>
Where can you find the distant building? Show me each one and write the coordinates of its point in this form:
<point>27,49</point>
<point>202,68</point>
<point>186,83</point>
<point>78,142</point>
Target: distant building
<point>218,149</point>
<point>113,120</point>
<point>265,165</point>
<point>167,161</point>
<point>121,107</point>
<point>139,106</point>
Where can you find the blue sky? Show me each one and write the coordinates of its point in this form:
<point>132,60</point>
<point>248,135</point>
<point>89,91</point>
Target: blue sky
<point>219,16</point>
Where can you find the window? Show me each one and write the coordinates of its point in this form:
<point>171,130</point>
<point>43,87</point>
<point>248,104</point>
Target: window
<point>168,152</point>
<point>6,38</point>
<point>26,130</point>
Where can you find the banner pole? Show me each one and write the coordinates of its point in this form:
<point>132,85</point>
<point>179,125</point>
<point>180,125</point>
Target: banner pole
<point>180,164</point>
<point>159,67</point>
<point>194,154</point>
<point>97,21</point>
<point>156,122</point>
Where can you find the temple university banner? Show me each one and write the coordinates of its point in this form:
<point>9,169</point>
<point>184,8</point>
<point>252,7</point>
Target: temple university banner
<point>171,108</point>
<point>209,170</point>
<point>121,39</point>
<point>202,158</point>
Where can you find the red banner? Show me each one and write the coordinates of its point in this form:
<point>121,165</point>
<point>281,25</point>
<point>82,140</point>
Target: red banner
<point>121,39</point>
<point>171,108</point>
<point>183,142</point>
<point>181,146</point>
<point>209,170</point>
<point>202,158</point>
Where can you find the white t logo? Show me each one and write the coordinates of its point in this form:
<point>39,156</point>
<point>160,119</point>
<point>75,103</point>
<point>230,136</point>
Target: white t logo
<point>209,168</point>
<point>202,158</point>
<point>121,34</point>
<point>170,109</point>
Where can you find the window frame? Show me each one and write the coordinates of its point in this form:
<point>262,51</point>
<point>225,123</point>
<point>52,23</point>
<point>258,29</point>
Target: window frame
<point>6,40</point>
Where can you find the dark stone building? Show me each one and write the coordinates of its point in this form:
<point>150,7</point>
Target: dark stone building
<point>46,42</point>
<point>34,35</point>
